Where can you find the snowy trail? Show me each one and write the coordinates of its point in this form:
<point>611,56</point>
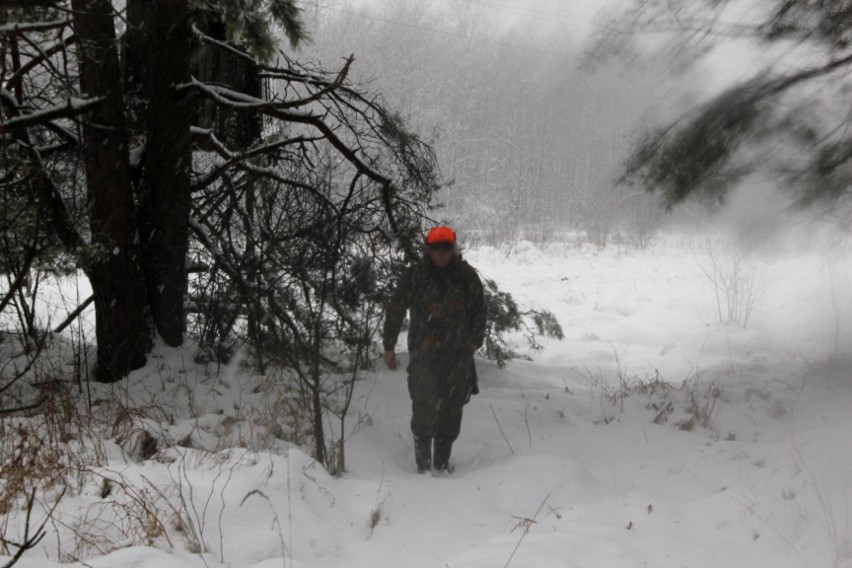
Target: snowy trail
<point>752,490</point>
<point>688,500</point>
<point>766,484</point>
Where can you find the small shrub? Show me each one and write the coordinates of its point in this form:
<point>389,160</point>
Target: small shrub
<point>504,316</point>
<point>692,404</point>
<point>738,279</point>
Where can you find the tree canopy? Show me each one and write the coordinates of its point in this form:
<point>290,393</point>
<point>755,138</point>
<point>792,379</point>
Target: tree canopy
<point>782,121</point>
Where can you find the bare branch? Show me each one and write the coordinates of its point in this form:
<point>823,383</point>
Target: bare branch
<point>72,107</point>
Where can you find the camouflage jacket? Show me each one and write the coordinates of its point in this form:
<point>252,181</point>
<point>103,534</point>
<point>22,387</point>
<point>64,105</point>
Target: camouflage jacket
<point>447,309</point>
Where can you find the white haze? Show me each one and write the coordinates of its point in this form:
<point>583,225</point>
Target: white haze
<point>658,433</point>
<point>531,138</point>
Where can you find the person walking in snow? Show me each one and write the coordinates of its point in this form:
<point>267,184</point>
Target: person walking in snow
<point>445,298</point>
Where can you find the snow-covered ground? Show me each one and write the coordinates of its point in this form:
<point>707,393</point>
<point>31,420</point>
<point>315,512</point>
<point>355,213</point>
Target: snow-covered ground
<point>582,457</point>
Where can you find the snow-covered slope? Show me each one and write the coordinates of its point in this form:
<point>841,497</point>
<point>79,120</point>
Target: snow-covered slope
<point>594,454</point>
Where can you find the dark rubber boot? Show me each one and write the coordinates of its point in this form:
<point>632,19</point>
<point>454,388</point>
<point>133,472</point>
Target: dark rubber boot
<point>443,449</point>
<point>423,453</point>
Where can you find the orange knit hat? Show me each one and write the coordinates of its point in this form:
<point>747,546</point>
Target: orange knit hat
<point>440,235</point>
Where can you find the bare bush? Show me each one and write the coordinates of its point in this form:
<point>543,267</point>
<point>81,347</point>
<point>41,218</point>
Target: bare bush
<point>836,521</point>
<point>738,279</point>
<point>692,404</point>
<point>643,214</point>
<point>49,449</point>
<point>32,534</point>
<point>125,514</point>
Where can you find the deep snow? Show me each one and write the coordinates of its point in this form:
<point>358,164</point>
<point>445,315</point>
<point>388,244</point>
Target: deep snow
<point>767,483</point>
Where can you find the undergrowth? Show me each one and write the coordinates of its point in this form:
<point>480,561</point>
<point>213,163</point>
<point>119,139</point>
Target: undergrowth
<point>691,404</point>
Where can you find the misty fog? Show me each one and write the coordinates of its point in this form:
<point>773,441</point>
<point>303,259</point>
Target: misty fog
<point>425,283</point>
<point>533,108</point>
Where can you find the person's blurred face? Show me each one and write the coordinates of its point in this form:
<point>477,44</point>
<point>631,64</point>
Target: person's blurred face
<point>441,254</point>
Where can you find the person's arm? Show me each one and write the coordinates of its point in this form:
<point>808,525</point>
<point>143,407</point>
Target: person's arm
<point>478,312</point>
<point>394,316</point>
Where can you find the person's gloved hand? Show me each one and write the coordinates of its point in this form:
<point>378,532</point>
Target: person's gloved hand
<point>390,360</point>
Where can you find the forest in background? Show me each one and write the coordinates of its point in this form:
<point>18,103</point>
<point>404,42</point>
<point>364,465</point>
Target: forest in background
<point>529,132</point>
<point>545,122</point>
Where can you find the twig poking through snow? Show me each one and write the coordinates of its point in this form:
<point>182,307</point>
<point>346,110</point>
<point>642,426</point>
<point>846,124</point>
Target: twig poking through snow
<point>524,524</point>
<point>31,537</point>
<point>275,522</point>
<point>501,429</point>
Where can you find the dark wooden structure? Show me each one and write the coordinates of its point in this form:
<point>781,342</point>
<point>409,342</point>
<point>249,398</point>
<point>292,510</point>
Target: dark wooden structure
<point>212,64</point>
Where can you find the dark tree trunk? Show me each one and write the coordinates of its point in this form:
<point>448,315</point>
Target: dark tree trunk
<point>121,303</point>
<point>138,66</point>
<point>319,435</point>
<point>165,199</point>
<point>255,310</point>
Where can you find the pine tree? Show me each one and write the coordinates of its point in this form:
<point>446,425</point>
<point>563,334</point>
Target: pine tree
<point>716,145</point>
<point>127,116</point>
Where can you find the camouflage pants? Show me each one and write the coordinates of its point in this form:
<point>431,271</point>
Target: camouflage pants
<point>440,385</point>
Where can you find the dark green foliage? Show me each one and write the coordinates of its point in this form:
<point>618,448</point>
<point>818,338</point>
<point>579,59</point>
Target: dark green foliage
<point>505,317</point>
<point>823,21</point>
<point>288,16</point>
<point>695,155</point>
<point>546,324</point>
<point>358,283</point>
<point>251,23</point>
<point>829,175</point>
<point>779,124</point>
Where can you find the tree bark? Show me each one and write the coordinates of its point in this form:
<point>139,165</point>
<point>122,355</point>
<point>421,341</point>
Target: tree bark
<point>138,65</point>
<point>121,303</point>
<point>165,199</point>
